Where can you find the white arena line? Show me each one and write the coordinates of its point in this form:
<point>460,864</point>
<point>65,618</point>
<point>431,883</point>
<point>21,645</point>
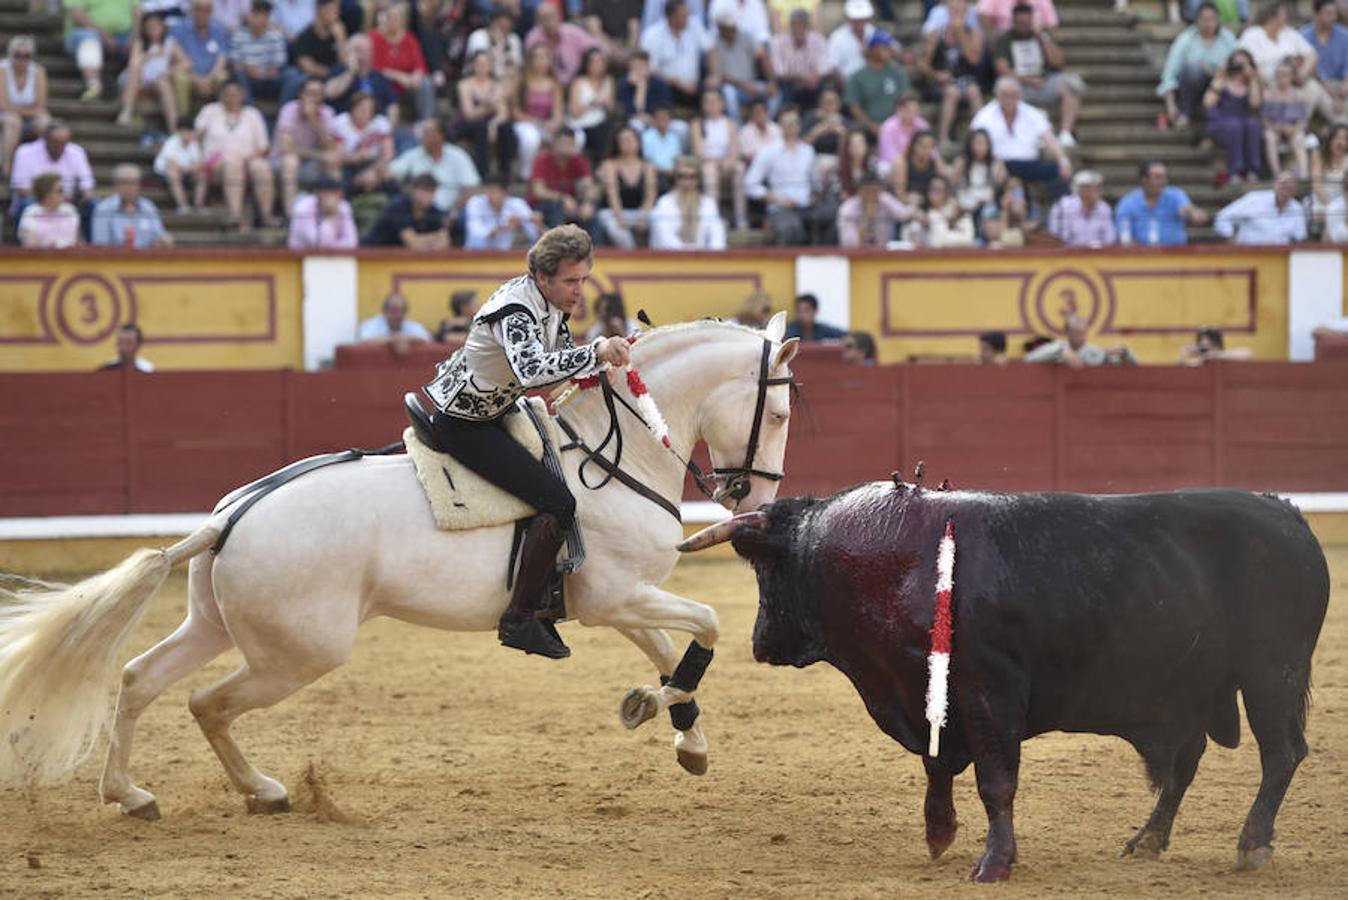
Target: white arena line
<point>700,512</point>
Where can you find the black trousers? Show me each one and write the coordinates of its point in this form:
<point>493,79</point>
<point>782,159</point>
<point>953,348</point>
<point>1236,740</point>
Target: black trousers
<point>488,449</point>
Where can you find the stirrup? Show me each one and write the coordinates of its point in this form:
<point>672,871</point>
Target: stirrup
<point>535,636</point>
<point>421,421</point>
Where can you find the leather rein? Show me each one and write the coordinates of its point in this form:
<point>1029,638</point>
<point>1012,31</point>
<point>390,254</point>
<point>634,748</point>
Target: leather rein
<point>736,478</point>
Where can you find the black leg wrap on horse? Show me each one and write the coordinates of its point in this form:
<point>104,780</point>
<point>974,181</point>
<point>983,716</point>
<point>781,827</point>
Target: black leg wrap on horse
<point>682,715</point>
<point>688,673</point>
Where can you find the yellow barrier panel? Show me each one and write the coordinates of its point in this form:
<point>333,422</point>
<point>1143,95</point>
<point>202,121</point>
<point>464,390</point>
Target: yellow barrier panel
<point>62,312</point>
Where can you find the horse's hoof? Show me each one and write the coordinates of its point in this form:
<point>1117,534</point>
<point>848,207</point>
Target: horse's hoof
<point>148,812</point>
<point>694,763</point>
<point>637,707</point>
<point>1145,844</point>
<point>268,807</point>
<point>1257,858</point>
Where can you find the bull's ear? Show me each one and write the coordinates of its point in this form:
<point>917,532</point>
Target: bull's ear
<point>786,353</point>
<point>776,329</point>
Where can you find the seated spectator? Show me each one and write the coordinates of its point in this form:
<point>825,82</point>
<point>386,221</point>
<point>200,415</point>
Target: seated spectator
<point>1284,113</point>
<point>1272,40</point>
<point>591,101</point>
<point>93,27</point>
<point>898,131</point>
<point>126,219</point>
<point>411,219</point>
<point>235,147</point>
<point>610,318</point>
<point>996,16</point>
<point>779,13</point>
<point>318,50</point>
<point>992,348</point>
<point>977,175</point>
<point>785,176</point>
<point>23,97</point>
<point>293,16</point>
<point>561,186</point>
<point>53,152</point>
<point>858,349</point>
<point>129,339</point>
<point>1029,55</point>
<point>1329,165</point>
<point>1232,99</point>
<point>661,145</point>
<point>484,116</point>
<point>365,144</point>
<point>734,61</point>
<point>180,164</point>
<point>750,15</point>
<point>639,94</point>
<point>1265,216</point>
<point>1156,212</point>
<point>393,327</point>
<point>306,144</point>
<point>322,219</point>
<point>494,220</point>
<point>872,216</point>
<point>1329,40</point>
<point>201,57</point>
<point>357,75</point>
<point>1018,132</point>
<point>614,23</point>
<point>759,132</point>
<point>49,222</point>
<point>873,91</point>
<point>539,108</point>
<point>1199,53</point>
<point>463,305</point>
<point>940,222</point>
<point>913,171</point>
<point>1072,351</point>
<point>1083,219</point>
<point>502,45</point>
<point>1209,346</point>
<point>826,128</point>
<point>938,17</point>
<point>1232,12</point>
<point>686,218</point>
<point>756,310</point>
<point>847,42</point>
<point>153,50</point>
<point>806,324</point>
<point>628,192</point>
<point>257,52</point>
<point>396,54</point>
<point>568,42</point>
<point>1007,222</point>
<point>800,61</point>
<point>676,45</point>
<point>447,163</point>
<point>716,145</point>
<point>856,164</point>
<point>951,62</point>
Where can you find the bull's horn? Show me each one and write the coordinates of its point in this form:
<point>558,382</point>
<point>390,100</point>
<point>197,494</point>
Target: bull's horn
<point>721,531</point>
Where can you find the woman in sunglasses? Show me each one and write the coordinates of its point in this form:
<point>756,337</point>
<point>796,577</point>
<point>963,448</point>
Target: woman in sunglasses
<point>685,218</point>
<point>23,97</point>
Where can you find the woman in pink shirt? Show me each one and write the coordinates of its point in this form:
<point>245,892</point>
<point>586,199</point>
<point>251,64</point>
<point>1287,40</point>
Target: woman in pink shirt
<point>397,55</point>
<point>49,222</point>
<point>898,130</point>
<point>234,145</point>
<point>538,106</point>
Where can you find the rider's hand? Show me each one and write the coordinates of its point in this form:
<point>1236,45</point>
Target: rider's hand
<point>614,350</point>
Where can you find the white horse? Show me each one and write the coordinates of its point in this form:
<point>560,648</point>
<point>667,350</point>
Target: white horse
<point>340,545</point>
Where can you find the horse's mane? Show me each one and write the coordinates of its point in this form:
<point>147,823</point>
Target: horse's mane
<point>657,336</point>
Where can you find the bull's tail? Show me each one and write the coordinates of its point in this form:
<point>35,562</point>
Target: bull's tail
<point>59,646</point>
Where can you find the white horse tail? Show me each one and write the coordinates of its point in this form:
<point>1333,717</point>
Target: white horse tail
<point>59,646</point>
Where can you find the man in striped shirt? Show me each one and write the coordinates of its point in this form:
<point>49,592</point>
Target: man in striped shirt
<point>257,51</point>
<point>800,61</point>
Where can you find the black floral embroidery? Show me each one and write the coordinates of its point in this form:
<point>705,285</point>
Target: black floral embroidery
<point>530,359</point>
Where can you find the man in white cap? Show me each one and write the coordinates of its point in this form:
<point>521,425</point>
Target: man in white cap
<point>847,43</point>
<point>1083,218</point>
<point>749,16</point>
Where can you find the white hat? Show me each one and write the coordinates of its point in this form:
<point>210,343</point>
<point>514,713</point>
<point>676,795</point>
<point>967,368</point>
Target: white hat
<point>858,9</point>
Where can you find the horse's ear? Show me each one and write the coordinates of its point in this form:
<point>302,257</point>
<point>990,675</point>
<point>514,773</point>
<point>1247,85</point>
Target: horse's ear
<point>776,329</point>
<point>786,353</point>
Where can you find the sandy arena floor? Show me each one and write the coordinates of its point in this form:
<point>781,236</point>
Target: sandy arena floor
<point>438,765</point>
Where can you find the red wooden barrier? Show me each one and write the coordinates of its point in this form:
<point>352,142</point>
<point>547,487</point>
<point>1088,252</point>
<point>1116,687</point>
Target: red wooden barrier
<point>176,441</point>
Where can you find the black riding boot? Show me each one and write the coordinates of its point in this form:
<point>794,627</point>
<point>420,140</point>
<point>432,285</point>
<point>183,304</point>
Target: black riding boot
<point>521,626</point>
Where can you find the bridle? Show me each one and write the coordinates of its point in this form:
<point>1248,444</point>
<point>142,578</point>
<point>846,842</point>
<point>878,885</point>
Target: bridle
<point>735,479</point>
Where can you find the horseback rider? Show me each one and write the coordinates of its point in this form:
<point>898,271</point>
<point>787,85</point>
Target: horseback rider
<point>519,340</point>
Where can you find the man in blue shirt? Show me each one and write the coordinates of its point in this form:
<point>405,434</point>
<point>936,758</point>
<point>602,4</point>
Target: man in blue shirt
<point>204,44</point>
<point>1330,40</point>
<point>806,324</point>
<point>126,219</point>
<point>1156,213</point>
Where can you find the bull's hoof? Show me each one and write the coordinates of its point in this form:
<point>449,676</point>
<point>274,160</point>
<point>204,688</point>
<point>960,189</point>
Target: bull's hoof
<point>148,812</point>
<point>939,842</point>
<point>694,763</point>
<point>1146,844</point>
<point>1256,858</point>
<point>989,872</point>
<point>260,806</point>
<point>638,706</point>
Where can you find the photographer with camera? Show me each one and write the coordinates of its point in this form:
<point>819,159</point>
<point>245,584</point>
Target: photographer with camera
<point>1233,100</point>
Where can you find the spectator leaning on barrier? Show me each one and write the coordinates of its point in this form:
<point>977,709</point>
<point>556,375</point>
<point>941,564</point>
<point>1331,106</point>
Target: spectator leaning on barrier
<point>411,219</point>
<point>126,219</point>
<point>1155,212</point>
<point>806,324</point>
<point>49,222</point>
<point>1072,351</point>
<point>393,327</point>
<point>1199,53</point>
<point>1265,217</point>
<point>992,348</point>
<point>129,339</point>
<point>96,29</point>
<point>23,97</point>
<point>858,349</point>
<point>1083,219</point>
<point>494,220</point>
<point>686,218</point>
<point>1027,53</point>
<point>322,219</point>
<point>463,306</point>
<point>1209,346</point>
<point>1019,132</point>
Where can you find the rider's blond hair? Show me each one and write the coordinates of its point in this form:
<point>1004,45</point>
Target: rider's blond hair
<point>565,243</point>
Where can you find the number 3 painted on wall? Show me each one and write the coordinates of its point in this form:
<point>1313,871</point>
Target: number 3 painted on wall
<point>90,304</point>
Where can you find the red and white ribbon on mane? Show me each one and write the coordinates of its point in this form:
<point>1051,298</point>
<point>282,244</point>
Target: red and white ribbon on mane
<point>938,660</point>
<point>645,405</point>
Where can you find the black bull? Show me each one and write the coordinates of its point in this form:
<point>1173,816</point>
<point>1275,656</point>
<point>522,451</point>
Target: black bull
<point>1138,616</point>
